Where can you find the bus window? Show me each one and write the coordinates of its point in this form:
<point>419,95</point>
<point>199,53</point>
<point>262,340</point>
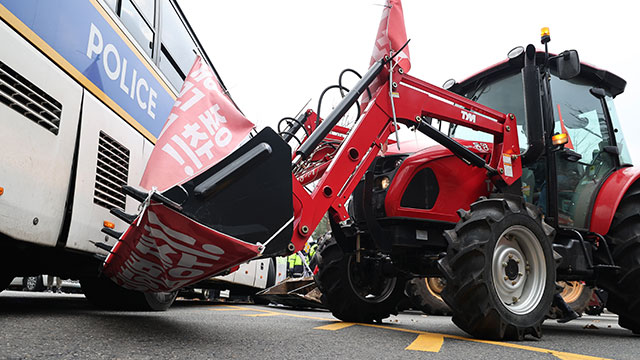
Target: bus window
<point>177,46</point>
<point>137,25</point>
<point>147,8</point>
<point>113,4</point>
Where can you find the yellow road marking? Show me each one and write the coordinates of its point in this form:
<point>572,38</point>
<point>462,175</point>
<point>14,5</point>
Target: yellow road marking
<point>263,314</point>
<point>570,356</point>
<point>226,308</point>
<point>425,339</point>
<point>334,326</point>
<point>558,354</point>
<point>427,342</point>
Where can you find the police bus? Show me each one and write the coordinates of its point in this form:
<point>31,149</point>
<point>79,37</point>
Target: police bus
<point>85,87</point>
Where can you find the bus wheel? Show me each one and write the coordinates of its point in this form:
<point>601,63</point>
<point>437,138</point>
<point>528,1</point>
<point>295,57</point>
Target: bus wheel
<point>33,283</point>
<point>104,293</point>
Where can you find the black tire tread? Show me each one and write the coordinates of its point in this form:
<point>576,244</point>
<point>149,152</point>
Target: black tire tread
<point>337,294</point>
<point>624,237</point>
<point>104,293</point>
<point>422,299</point>
<point>467,290</point>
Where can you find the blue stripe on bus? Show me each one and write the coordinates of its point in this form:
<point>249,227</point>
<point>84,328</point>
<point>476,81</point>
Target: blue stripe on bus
<point>80,34</point>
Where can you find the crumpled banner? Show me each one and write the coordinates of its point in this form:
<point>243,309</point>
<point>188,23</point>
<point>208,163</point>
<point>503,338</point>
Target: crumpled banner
<point>163,251</point>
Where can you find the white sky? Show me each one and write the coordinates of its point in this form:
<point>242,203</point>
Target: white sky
<point>275,55</point>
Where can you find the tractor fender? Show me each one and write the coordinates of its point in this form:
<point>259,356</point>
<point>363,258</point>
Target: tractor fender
<point>610,196</point>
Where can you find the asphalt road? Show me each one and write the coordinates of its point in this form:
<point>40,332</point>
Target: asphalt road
<point>64,326</point>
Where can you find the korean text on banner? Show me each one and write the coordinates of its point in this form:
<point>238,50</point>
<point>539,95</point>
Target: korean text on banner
<point>203,127</point>
<point>165,251</point>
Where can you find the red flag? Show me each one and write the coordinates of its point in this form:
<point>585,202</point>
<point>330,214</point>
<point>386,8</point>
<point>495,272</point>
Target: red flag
<point>392,35</point>
<point>165,251</point>
<point>390,38</point>
<point>203,127</point>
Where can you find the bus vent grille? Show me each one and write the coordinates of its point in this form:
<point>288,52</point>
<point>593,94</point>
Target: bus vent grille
<point>29,100</point>
<point>112,173</point>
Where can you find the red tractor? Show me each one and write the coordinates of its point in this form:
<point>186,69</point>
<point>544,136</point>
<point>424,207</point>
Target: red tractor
<point>543,194</point>
<point>531,185</point>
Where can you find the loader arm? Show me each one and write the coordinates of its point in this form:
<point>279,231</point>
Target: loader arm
<point>413,100</point>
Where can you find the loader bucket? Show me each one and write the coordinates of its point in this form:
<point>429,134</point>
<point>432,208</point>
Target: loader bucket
<point>239,209</point>
<point>247,195</point>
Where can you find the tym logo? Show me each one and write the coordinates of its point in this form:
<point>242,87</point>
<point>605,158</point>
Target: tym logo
<point>467,116</point>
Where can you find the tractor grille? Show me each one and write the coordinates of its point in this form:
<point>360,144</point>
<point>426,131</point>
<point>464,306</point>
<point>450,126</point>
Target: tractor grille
<point>29,100</point>
<point>111,173</point>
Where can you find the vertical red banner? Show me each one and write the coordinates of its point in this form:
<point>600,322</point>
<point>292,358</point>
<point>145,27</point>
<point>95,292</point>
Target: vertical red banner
<point>203,127</point>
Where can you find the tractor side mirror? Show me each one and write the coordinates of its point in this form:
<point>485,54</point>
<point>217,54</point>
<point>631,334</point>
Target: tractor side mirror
<point>568,64</point>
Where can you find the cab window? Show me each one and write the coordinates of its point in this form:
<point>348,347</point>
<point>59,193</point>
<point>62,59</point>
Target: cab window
<point>505,94</point>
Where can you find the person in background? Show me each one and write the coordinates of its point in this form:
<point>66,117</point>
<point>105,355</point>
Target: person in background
<point>50,280</point>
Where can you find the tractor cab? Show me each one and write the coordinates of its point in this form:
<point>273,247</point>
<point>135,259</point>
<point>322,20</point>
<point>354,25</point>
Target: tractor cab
<point>568,130</point>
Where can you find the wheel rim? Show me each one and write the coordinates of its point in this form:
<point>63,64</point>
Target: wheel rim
<point>435,286</point>
<point>571,291</point>
<point>365,286</point>
<point>32,283</point>
<point>519,270</point>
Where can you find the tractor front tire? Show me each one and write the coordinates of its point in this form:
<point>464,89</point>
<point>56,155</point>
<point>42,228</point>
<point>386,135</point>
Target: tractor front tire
<point>624,236</point>
<point>424,294</point>
<point>500,270</point>
<point>351,293</point>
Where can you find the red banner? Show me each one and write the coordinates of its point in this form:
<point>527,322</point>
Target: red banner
<point>164,251</point>
<point>203,127</point>
<point>390,38</point>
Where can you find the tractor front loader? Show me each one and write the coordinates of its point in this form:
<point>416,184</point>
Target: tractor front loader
<point>507,203</point>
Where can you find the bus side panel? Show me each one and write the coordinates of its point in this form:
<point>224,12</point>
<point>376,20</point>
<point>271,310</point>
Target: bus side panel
<point>111,155</point>
<point>262,273</point>
<point>245,275</point>
<point>36,163</point>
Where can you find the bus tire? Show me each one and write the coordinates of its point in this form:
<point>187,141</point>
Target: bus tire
<point>104,293</point>
<point>33,283</point>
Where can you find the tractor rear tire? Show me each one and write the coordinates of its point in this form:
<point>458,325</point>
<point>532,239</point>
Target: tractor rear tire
<point>104,293</point>
<point>424,294</point>
<point>350,293</point>
<point>500,270</point>
<point>624,236</point>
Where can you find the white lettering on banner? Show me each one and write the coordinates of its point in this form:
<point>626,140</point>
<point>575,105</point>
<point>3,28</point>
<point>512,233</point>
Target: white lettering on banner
<point>172,251</point>
<point>115,66</point>
<point>191,144</point>
<point>154,220</point>
<point>197,96</point>
<point>191,131</point>
<point>148,246</point>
